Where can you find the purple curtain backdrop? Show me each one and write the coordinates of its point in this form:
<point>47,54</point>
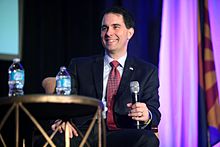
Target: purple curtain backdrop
<point>179,70</point>
<point>214,9</point>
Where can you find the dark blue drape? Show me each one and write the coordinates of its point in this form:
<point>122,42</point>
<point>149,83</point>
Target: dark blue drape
<point>147,14</point>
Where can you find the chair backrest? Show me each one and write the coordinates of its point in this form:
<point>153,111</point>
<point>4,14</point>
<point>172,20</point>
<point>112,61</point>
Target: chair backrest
<point>49,85</point>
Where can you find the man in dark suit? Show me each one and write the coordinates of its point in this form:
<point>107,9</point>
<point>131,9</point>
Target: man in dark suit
<point>91,76</point>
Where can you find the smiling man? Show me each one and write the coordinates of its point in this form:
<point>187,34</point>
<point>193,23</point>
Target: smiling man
<point>115,35</point>
<point>107,77</point>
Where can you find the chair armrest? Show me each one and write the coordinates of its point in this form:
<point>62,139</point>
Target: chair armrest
<point>155,130</point>
<point>49,85</point>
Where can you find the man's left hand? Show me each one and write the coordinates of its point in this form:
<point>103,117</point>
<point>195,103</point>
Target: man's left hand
<point>138,112</point>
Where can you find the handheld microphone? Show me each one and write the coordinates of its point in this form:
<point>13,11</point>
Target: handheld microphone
<point>134,88</point>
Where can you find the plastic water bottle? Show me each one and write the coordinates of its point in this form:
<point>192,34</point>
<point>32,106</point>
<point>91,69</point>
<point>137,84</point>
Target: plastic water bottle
<point>63,82</point>
<point>16,78</point>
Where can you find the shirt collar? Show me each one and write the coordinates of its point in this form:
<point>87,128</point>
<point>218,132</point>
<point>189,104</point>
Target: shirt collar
<point>121,60</point>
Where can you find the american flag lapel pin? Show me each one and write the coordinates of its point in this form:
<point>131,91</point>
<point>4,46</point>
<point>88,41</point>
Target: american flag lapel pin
<point>131,68</point>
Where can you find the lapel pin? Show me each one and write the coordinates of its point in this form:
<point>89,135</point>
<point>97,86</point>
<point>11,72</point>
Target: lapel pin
<point>131,68</point>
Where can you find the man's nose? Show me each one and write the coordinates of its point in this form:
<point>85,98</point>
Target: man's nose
<point>109,32</point>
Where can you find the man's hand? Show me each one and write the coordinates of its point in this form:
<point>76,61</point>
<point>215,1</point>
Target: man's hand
<point>61,127</point>
<point>139,111</point>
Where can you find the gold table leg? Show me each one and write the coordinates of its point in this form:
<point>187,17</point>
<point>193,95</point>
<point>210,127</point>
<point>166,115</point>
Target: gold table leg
<point>67,137</point>
<point>37,125</point>
<point>7,115</point>
<point>2,140</point>
<point>89,130</point>
<point>103,132</point>
<point>17,125</point>
<point>4,120</point>
<point>99,128</point>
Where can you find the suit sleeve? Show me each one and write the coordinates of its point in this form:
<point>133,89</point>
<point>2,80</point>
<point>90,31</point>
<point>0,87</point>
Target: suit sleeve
<point>150,96</point>
<point>72,69</point>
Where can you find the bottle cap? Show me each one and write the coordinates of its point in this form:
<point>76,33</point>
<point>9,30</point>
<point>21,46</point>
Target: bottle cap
<point>62,68</point>
<point>16,60</point>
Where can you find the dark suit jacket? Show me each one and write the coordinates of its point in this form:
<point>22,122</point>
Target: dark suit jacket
<point>87,74</point>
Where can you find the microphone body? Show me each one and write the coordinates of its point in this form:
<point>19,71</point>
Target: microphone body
<point>134,88</point>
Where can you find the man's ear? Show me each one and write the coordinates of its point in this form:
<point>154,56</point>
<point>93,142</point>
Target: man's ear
<point>130,33</point>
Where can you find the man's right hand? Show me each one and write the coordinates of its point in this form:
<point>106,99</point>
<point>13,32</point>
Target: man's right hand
<point>61,127</point>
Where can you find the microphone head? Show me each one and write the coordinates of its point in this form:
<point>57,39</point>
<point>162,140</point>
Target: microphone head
<point>134,87</point>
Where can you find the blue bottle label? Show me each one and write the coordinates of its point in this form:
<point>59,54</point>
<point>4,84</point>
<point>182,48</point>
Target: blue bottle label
<point>63,83</point>
<point>17,76</point>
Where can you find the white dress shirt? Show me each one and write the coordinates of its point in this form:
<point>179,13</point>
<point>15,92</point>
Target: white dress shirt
<point>107,68</point>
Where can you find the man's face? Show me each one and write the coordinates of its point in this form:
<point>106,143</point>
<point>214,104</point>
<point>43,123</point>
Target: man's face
<point>114,34</point>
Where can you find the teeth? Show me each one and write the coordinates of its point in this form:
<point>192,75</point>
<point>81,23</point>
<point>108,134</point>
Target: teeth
<point>110,40</point>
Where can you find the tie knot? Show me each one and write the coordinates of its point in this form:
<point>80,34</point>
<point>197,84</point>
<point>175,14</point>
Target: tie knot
<point>114,63</point>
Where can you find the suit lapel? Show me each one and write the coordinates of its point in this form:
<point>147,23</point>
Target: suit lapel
<point>126,76</point>
<point>98,75</point>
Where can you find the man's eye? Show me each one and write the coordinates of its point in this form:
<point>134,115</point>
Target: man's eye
<point>116,27</point>
<point>103,28</point>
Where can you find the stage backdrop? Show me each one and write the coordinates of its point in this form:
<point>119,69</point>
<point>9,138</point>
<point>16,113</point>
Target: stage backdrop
<point>179,71</point>
<point>56,31</point>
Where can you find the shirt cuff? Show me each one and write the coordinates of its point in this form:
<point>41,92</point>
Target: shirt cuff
<point>146,123</point>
